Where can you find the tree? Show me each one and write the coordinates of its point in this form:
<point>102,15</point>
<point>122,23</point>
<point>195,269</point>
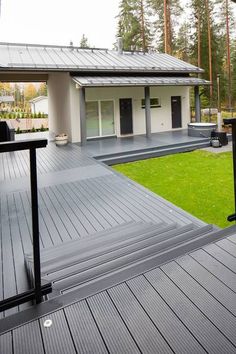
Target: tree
<point>182,45</point>
<point>165,14</point>
<point>207,48</point>
<point>42,90</point>
<point>133,26</point>
<point>29,92</point>
<point>5,88</point>
<point>84,42</point>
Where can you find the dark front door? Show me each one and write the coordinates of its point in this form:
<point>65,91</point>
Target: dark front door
<point>176,111</point>
<point>126,116</point>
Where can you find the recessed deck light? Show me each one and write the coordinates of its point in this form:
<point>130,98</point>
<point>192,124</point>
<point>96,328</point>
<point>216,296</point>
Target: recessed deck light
<point>47,323</point>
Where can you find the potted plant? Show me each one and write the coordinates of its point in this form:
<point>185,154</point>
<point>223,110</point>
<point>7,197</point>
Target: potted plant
<point>61,139</point>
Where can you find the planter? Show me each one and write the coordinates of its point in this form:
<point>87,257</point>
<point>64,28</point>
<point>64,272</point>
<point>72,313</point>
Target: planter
<point>61,139</point>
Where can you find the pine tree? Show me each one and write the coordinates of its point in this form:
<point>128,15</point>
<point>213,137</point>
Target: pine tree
<point>84,42</point>
<point>206,48</point>
<point>166,14</point>
<point>182,44</point>
<point>133,26</point>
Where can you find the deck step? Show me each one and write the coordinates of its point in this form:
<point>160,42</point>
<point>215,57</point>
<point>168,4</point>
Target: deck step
<point>64,252</point>
<point>94,258</point>
<point>155,152</point>
<point>137,248</point>
<point>130,270</point>
<point>85,272</point>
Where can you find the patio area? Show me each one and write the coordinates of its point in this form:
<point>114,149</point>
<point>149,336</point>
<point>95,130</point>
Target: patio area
<point>129,148</point>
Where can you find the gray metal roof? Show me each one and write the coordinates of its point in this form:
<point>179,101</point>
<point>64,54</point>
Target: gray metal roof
<point>96,81</point>
<point>42,57</point>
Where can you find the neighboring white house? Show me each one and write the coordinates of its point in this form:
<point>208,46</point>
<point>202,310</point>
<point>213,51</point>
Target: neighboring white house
<point>6,103</point>
<point>39,104</point>
<point>98,92</point>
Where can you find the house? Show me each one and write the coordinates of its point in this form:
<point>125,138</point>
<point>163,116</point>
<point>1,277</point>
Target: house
<point>6,103</point>
<point>39,104</point>
<point>96,93</point>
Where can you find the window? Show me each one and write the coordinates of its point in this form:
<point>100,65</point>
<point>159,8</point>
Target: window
<point>154,102</point>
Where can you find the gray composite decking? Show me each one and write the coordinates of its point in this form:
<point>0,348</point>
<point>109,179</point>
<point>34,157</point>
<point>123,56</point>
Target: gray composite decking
<point>184,306</point>
<point>132,148</point>
<point>77,198</point>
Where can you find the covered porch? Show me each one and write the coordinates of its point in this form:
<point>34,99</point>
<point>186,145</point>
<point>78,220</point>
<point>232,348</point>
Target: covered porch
<point>118,150</point>
<point>138,105</point>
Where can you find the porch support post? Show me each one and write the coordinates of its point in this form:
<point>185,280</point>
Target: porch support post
<point>147,111</point>
<point>197,104</point>
<point>83,131</point>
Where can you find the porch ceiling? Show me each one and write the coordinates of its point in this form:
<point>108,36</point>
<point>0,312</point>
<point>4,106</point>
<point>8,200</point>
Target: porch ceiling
<point>101,81</point>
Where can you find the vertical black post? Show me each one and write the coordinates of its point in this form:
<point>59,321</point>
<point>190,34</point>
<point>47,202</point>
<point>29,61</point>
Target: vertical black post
<point>234,157</point>
<point>35,225</point>
<point>147,111</point>
<point>197,104</point>
<point>232,121</point>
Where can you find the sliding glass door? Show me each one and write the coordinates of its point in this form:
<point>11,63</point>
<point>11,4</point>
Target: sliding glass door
<point>100,118</point>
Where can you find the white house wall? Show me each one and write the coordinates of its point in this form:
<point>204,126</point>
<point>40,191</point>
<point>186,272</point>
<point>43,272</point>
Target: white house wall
<point>64,115</point>
<point>40,106</point>
<point>161,117</point>
<point>59,103</point>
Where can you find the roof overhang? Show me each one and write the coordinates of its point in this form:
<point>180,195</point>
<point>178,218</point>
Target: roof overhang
<point>116,81</point>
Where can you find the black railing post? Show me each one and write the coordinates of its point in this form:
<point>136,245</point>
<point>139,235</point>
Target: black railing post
<point>35,225</point>
<point>232,122</point>
<point>39,290</point>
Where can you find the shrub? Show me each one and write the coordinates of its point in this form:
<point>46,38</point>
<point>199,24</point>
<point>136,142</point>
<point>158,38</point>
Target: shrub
<point>33,130</point>
<point>42,129</point>
<point>18,130</point>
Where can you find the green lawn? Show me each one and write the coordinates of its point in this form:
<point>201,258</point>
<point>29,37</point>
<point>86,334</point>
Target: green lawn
<point>199,182</point>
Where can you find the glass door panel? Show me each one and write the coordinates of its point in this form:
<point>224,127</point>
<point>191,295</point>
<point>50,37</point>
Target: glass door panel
<point>107,118</point>
<point>92,119</point>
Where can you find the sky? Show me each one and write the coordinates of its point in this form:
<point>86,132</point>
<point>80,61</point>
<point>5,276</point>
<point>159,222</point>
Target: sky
<point>59,22</point>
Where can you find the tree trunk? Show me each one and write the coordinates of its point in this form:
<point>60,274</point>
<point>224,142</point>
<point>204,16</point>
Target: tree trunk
<point>144,46</point>
<point>209,47</point>
<point>228,55</point>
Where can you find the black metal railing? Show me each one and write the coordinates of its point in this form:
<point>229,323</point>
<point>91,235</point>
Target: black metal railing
<point>232,122</point>
<point>39,289</point>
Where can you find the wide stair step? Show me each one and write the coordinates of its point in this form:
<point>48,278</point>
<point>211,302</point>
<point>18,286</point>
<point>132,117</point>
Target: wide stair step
<point>142,154</point>
<point>128,251</point>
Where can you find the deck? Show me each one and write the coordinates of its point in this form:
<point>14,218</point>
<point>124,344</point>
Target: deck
<point>132,148</point>
<point>77,198</point>
<point>187,305</point>
<point>183,305</point>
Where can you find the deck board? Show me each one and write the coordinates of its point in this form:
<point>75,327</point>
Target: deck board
<point>57,339</point>
<point>146,335</point>
<point>87,337</point>
<point>195,321</point>
<point>164,317</point>
<point>218,269</point>
<point>27,339</point>
<point>217,313</point>
<point>109,322</point>
<point>214,286</point>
